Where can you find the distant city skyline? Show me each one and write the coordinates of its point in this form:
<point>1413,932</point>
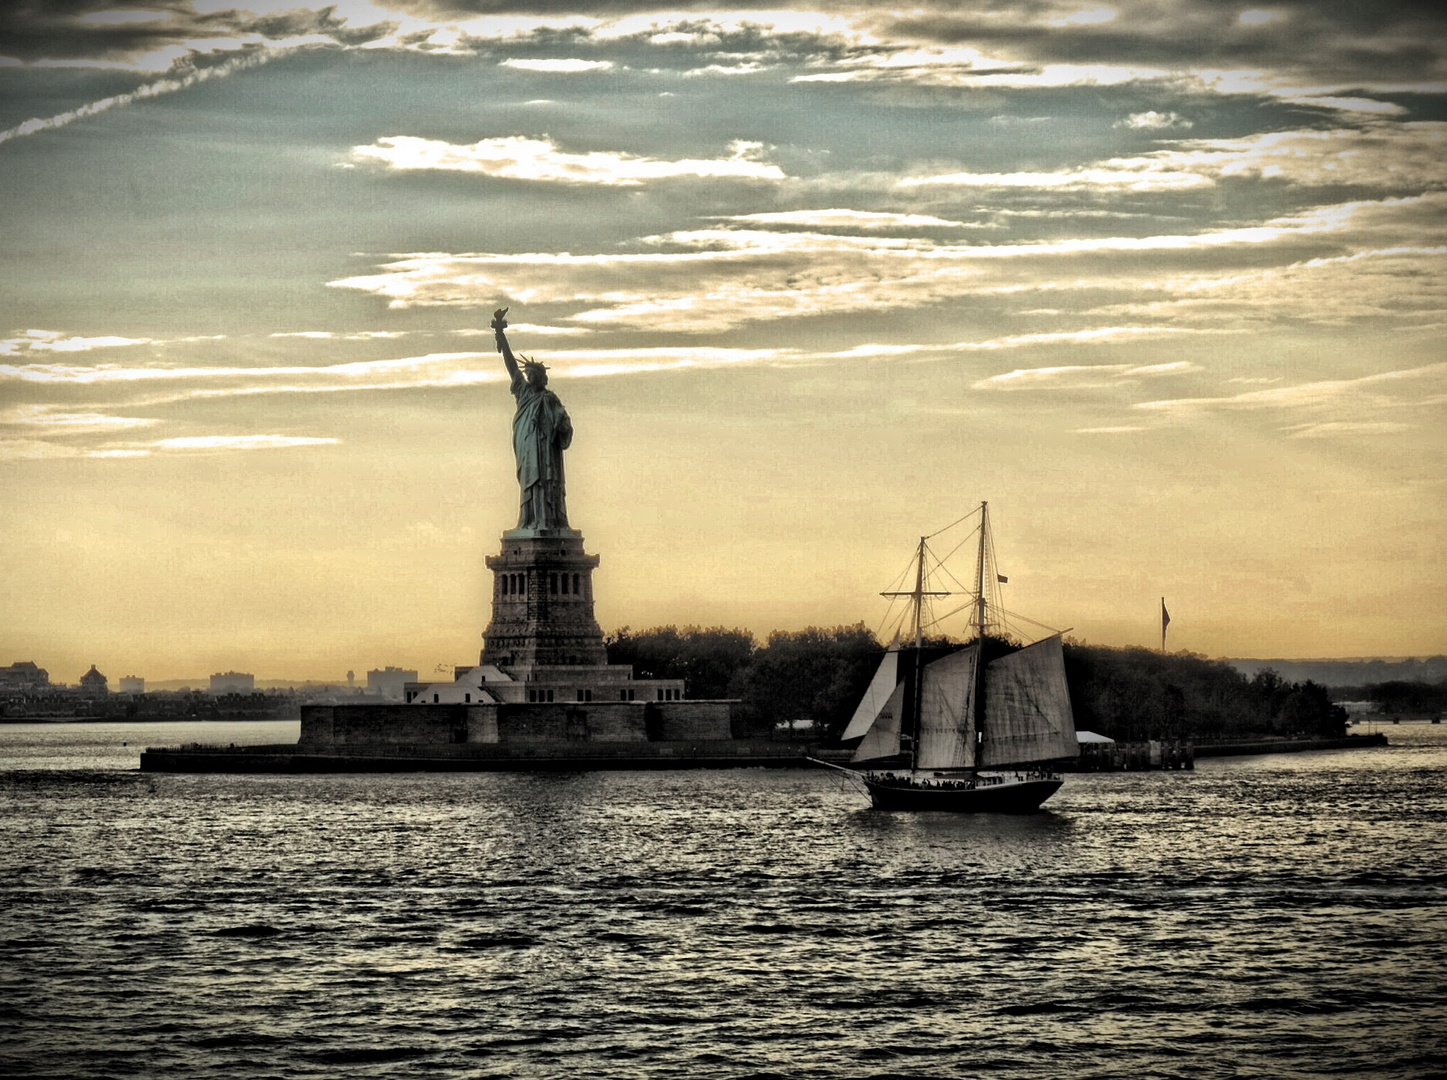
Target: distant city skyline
<point>1329,671</point>
<point>1162,282</point>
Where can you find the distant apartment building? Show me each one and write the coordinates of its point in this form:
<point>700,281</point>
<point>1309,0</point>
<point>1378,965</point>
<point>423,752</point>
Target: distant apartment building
<point>25,675</point>
<point>94,684</point>
<point>132,684</point>
<point>390,682</point>
<point>233,682</point>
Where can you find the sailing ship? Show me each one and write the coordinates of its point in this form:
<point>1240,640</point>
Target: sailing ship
<point>965,728</point>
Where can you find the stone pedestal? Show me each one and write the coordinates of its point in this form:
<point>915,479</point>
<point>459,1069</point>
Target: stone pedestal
<point>542,603</point>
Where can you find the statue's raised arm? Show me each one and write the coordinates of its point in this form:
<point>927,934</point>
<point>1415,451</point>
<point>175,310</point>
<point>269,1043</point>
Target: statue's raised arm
<point>541,431</point>
<point>499,324</point>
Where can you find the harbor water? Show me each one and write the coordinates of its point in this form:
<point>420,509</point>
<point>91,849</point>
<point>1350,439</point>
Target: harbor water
<point>1275,916</point>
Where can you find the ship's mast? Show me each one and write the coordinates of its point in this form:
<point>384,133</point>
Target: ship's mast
<point>978,697</point>
<point>918,657</point>
<point>917,597</point>
<point>980,572</point>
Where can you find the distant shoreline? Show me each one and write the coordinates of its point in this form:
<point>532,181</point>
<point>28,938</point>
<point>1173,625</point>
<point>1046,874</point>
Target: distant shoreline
<point>1251,747</point>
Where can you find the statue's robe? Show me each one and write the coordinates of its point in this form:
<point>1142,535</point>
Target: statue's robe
<point>541,431</point>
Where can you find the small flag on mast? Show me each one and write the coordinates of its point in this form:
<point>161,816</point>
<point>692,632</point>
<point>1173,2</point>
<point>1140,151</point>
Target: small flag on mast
<point>1165,622</point>
<point>1002,579</point>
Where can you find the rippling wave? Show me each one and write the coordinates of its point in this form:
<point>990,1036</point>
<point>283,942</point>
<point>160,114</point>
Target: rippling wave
<point>1274,916</point>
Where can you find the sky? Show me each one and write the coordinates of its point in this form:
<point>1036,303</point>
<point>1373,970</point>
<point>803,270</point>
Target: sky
<point>1162,280</point>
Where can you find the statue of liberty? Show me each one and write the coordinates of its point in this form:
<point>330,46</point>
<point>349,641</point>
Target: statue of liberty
<point>541,431</point>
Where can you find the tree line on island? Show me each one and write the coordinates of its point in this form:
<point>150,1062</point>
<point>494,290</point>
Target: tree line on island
<point>819,674</point>
<point>1128,694</point>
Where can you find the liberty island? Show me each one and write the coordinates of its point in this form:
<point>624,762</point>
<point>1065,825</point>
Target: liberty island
<point>542,694</point>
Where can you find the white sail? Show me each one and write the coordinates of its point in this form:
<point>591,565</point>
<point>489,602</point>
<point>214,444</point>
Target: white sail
<point>946,712</point>
<point>882,740</point>
<point>880,688</point>
<point>1027,707</point>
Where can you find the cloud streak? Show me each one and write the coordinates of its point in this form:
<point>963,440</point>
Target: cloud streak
<point>1304,43</point>
<point>1381,403</point>
<point>40,450</point>
<point>75,375</point>
<point>52,422</point>
<point>840,218</point>
<point>518,157</point>
<point>1074,376</point>
<point>186,75</point>
<point>699,280</point>
<point>559,67</point>
<point>432,371</point>
<point>1399,156</point>
<point>94,31</point>
<point>1312,394</point>
<point>54,341</point>
<point>238,442</point>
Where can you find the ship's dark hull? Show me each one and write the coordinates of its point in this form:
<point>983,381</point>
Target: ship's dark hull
<point>1007,797</point>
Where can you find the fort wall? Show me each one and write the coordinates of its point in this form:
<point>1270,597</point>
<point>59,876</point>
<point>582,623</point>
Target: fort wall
<point>339,726</point>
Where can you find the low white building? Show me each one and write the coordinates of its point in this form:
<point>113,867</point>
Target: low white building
<point>1090,738</point>
<point>554,684</point>
<point>1360,708</point>
<point>468,687</point>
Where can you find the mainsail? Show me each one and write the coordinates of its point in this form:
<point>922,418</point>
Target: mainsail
<point>1027,707</point>
<point>882,739</point>
<point>1027,716</point>
<point>946,728</point>
<point>880,689</point>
